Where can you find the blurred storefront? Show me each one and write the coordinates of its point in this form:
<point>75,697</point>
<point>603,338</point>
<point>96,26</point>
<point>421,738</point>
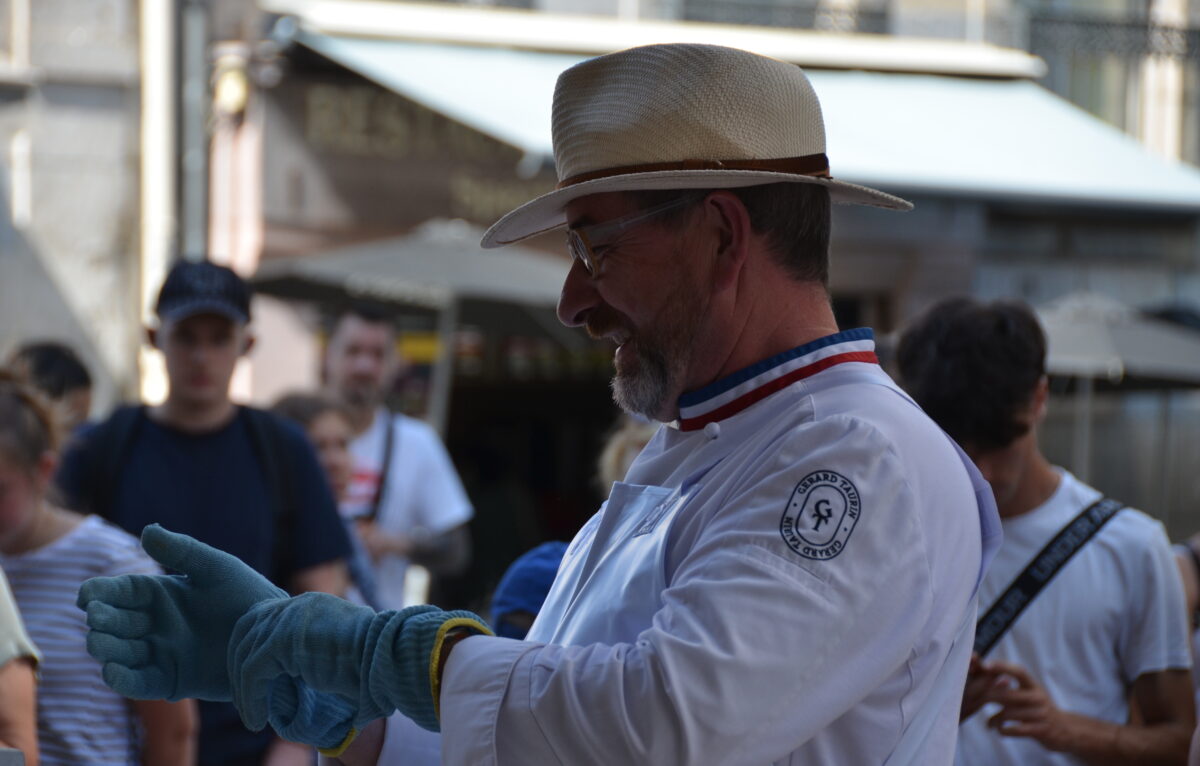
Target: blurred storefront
<point>69,184</point>
<point>392,113</point>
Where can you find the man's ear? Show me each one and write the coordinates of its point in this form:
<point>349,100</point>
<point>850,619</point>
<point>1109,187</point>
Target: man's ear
<point>730,222</point>
<point>47,466</point>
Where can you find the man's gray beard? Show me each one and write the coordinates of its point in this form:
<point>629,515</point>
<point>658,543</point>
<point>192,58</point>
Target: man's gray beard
<point>663,357</point>
<point>644,392</point>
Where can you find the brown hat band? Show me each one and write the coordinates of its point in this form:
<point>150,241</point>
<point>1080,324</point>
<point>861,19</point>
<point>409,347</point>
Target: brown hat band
<point>808,165</point>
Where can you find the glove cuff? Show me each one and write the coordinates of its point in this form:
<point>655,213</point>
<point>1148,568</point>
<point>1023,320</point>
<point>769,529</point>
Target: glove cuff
<point>464,624</point>
<point>336,752</point>
<point>400,665</point>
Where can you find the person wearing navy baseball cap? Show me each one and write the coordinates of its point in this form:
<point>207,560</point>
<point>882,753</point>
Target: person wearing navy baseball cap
<point>203,311</point>
<point>238,478</point>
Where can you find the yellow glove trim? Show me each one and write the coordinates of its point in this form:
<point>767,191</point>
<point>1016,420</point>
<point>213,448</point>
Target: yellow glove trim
<point>335,752</point>
<point>435,657</point>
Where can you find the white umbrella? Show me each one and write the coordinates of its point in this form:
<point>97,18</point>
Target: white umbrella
<point>1091,336</point>
<point>436,266</point>
<point>437,263</point>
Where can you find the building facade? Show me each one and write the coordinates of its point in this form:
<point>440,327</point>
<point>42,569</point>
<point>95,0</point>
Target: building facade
<point>70,140</point>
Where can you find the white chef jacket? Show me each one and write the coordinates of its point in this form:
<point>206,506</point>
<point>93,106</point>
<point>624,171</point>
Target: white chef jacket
<point>787,575</point>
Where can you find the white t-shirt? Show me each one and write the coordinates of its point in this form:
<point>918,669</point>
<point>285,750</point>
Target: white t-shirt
<point>423,491</point>
<point>1114,612</point>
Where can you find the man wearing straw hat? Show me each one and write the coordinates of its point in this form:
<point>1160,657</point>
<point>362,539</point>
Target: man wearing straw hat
<point>788,572</point>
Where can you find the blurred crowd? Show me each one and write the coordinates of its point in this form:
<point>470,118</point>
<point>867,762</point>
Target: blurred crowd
<point>325,491</point>
<point>330,491</point>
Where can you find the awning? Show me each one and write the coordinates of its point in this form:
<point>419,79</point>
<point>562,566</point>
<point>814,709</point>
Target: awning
<point>438,263</point>
<point>907,133</point>
<point>1095,339</point>
<point>1093,336</point>
<point>591,34</point>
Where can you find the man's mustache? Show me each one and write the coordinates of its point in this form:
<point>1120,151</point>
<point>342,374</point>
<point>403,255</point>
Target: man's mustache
<point>602,322</point>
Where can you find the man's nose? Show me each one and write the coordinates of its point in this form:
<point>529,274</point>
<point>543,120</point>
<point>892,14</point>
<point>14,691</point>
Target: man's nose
<point>578,295</point>
<point>362,363</point>
<point>199,352</point>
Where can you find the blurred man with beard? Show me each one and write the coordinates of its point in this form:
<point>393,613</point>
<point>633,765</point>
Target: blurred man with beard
<point>405,496</point>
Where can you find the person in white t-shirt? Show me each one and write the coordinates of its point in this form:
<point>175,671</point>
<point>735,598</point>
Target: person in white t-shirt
<point>1110,627</point>
<point>405,495</point>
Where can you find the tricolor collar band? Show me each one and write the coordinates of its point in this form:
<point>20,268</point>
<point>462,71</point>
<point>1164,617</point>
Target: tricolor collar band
<point>734,393</point>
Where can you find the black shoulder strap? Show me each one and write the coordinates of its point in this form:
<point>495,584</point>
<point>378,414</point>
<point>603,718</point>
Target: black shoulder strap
<point>1027,585</point>
<point>385,469</point>
<point>107,448</point>
<point>268,441</point>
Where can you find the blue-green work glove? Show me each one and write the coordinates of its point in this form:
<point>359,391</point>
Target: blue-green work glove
<point>383,662</point>
<point>167,636</point>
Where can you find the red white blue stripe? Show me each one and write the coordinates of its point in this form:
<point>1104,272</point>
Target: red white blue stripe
<point>734,393</point>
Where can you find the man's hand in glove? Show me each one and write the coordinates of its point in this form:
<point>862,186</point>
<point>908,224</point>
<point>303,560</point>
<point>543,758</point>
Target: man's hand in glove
<point>382,662</point>
<point>166,636</point>
<point>299,714</point>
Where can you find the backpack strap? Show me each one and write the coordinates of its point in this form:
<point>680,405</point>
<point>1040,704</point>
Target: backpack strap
<point>1052,558</point>
<point>269,442</point>
<point>106,449</point>
<point>385,468</point>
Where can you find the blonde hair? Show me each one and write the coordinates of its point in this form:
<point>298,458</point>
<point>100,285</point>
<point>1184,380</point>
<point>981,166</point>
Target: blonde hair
<point>622,446</point>
<point>28,426</point>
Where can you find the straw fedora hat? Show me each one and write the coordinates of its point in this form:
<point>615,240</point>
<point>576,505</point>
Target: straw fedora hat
<point>681,116</point>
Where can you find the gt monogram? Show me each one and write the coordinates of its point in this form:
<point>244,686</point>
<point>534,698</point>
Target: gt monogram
<point>820,515</point>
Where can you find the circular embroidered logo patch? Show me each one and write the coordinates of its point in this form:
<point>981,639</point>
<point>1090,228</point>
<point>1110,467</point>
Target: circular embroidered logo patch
<point>820,515</point>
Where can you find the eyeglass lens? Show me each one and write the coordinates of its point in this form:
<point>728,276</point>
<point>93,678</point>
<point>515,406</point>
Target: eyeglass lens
<point>579,249</point>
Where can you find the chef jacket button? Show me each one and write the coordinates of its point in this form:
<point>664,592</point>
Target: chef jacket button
<point>712,430</point>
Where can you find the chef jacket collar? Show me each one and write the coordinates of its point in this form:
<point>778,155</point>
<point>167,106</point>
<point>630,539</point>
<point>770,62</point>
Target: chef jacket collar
<point>735,392</point>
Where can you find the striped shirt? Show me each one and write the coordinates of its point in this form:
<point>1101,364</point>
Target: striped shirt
<point>80,719</point>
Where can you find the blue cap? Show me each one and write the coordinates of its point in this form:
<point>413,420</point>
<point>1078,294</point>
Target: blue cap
<point>527,581</point>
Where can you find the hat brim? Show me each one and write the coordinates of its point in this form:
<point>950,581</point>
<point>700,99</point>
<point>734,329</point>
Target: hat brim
<point>193,308</point>
<point>546,213</point>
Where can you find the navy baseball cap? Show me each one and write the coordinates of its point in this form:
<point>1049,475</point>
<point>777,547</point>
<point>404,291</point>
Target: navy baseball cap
<point>203,287</point>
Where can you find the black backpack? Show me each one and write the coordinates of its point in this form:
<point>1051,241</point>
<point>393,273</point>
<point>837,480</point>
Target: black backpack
<point>108,444</point>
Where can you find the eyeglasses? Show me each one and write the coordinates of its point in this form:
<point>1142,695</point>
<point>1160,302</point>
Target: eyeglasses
<point>588,243</point>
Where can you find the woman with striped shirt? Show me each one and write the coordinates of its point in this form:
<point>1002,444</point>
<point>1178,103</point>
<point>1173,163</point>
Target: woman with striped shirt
<point>47,552</point>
